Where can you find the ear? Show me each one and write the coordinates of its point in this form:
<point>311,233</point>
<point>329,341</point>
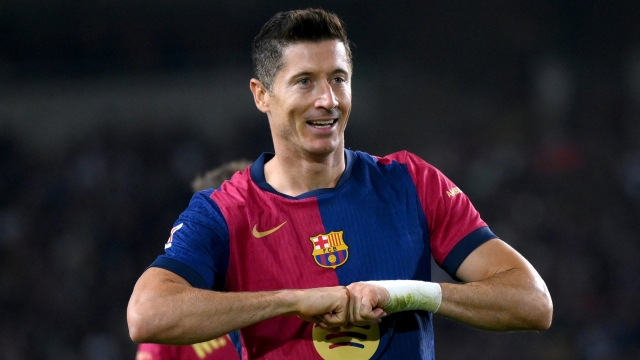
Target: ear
<point>260,95</point>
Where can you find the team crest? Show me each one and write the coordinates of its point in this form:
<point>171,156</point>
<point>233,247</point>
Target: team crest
<point>329,250</point>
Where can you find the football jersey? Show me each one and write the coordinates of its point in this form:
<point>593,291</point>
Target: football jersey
<point>384,220</point>
<point>217,349</point>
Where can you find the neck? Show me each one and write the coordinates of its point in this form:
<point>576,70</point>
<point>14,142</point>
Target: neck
<point>294,175</point>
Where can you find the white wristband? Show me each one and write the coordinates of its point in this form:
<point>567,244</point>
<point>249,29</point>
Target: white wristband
<point>411,295</point>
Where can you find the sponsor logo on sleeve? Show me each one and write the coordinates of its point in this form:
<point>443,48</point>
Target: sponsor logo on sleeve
<point>175,228</point>
<point>453,192</point>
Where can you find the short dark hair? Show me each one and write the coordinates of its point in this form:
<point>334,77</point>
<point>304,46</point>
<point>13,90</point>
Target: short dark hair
<point>286,28</point>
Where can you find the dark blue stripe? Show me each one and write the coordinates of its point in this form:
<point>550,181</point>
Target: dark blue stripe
<point>182,270</point>
<point>237,342</point>
<point>465,247</point>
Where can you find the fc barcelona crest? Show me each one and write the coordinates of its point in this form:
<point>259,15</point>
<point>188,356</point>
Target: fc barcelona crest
<point>329,250</point>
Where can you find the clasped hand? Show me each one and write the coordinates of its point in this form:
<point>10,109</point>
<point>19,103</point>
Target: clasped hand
<point>343,306</point>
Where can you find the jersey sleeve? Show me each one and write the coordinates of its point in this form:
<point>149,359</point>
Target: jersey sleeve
<point>455,226</point>
<point>198,245</point>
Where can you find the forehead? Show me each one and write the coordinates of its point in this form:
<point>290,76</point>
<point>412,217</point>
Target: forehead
<point>325,56</point>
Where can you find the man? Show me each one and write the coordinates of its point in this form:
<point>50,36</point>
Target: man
<point>223,347</point>
<point>325,252</point>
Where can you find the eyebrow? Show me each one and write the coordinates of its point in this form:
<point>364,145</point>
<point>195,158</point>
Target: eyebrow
<point>306,73</point>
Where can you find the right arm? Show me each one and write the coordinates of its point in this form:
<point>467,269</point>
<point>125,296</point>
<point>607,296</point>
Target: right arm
<point>165,308</point>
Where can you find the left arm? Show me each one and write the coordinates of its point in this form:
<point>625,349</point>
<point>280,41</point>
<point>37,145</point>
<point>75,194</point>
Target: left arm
<point>503,292</point>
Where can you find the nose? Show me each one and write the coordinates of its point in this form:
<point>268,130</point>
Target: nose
<point>326,97</point>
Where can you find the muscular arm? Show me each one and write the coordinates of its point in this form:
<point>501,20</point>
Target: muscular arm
<point>165,308</point>
<point>502,291</point>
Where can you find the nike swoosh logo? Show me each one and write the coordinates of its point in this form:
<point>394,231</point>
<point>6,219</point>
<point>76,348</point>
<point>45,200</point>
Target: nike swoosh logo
<point>260,234</point>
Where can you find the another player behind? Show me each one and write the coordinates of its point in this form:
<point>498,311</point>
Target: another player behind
<point>221,348</point>
<point>212,179</point>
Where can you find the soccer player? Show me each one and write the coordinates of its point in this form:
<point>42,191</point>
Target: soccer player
<point>223,347</point>
<point>325,252</point>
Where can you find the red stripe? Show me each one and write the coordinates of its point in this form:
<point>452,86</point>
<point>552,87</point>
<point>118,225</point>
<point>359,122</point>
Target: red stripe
<point>251,261</point>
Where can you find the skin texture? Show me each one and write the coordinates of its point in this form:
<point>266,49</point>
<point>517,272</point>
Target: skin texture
<point>164,308</point>
<point>502,290</point>
<point>314,85</point>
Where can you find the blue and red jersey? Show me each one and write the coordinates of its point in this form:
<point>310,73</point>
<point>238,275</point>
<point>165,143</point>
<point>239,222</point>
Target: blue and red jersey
<point>221,348</point>
<point>384,220</point>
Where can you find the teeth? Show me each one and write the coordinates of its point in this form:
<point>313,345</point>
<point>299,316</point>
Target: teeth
<point>322,123</point>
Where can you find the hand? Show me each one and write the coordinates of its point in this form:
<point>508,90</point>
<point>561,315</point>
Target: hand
<point>366,302</point>
<point>327,307</point>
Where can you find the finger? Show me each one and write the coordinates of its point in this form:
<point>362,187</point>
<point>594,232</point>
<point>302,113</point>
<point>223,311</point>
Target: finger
<point>368,313</point>
<point>362,309</point>
<point>354,308</point>
<point>366,308</point>
<point>341,312</point>
<point>378,314</point>
<point>333,319</point>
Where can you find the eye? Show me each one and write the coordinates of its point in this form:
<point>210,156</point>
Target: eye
<point>304,81</point>
<point>339,80</point>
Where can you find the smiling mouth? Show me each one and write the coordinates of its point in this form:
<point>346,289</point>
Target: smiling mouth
<point>322,123</point>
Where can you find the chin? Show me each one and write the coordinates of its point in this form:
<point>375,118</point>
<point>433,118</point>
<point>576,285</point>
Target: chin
<point>326,149</point>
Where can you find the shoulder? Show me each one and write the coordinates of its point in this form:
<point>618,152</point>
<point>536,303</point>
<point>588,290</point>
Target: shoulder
<point>203,210</point>
<point>404,159</point>
<point>428,179</point>
<point>233,191</point>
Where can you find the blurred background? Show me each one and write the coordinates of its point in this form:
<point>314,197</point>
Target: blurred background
<point>110,108</point>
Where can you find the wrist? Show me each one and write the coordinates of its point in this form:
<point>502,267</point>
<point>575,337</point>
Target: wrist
<point>288,301</point>
<point>411,295</point>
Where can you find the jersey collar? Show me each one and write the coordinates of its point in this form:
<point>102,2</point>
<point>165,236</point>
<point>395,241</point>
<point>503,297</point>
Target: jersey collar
<point>257,175</point>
